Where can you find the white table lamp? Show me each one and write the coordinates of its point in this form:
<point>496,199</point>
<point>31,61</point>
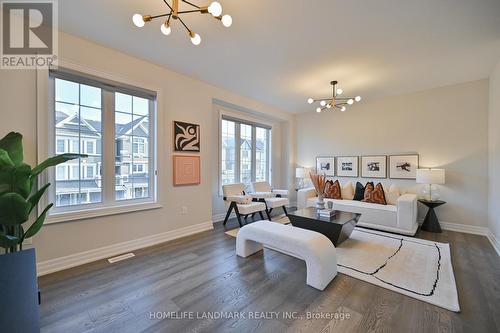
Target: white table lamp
<point>300,174</point>
<point>430,177</point>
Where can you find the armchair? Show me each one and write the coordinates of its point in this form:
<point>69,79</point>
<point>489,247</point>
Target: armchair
<point>236,199</point>
<point>263,192</point>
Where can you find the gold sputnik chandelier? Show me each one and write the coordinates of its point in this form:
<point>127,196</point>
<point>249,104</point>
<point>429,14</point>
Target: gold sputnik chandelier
<point>334,102</point>
<point>215,9</point>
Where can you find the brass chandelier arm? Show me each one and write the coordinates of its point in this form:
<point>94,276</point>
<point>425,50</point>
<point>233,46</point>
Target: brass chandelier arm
<point>185,26</point>
<point>162,15</point>
<point>166,3</point>
<point>192,4</point>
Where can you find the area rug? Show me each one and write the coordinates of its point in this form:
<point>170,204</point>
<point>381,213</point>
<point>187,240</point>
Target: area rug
<point>413,267</point>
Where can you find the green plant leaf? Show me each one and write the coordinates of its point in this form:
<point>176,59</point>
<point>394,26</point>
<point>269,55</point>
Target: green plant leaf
<point>35,198</point>
<point>21,180</point>
<point>13,209</point>
<point>7,241</point>
<point>12,143</point>
<point>5,160</point>
<point>35,227</point>
<point>53,161</point>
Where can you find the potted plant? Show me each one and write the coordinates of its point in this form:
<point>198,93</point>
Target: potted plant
<point>19,198</point>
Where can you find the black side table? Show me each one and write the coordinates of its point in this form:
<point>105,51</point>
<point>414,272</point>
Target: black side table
<point>431,222</point>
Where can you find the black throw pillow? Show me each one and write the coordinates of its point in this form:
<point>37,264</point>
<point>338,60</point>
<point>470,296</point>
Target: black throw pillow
<point>359,194</point>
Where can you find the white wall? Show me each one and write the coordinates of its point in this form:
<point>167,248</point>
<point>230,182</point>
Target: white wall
<point>185,99</point>
<point>446,126</point>
<point>494,154</point>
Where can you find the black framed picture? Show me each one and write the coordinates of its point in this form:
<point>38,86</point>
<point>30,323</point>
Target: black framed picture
<point>325,166</point>
<point>403,166</point>
<point>374,166</point>
<point>186,137</point>
<point>347,166</point>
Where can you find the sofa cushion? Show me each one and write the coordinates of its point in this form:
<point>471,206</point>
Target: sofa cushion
<point>359,194</point>
<point>374,194</point>
<point>392,194</point>
<point>347,191</point>
<point>332,190</point>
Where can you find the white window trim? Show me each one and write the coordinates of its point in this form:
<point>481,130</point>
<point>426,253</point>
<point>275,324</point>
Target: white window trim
<point>223,111</point>
<point>45,133</point>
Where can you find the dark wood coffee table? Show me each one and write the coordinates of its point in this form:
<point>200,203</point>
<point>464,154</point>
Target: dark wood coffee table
<point>337,229</point>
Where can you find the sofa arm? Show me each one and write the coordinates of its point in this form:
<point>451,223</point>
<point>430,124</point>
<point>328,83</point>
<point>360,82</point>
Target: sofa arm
<point>407,212</point>
<point>303,195</point>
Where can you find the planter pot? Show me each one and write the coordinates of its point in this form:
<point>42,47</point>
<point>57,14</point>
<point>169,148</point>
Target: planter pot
<point>19,310</point>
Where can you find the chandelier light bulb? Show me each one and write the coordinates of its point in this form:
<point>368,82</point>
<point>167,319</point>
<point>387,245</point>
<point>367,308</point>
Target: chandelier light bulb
<point>165,29</point>
<point>339,91</point>
<point>343,109</point>
<point>227,20</point>
<point>318,110</point>
<point>215,9</point>
<point>195,38</point>
<point>322,103</point>
<point>138,20</point>
<point>310,101</point>
<point>328,106</point>
<point>357,98</point>
<point>350,101</point>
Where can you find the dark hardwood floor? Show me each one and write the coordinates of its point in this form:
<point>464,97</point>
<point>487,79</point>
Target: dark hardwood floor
<point>201,273</point>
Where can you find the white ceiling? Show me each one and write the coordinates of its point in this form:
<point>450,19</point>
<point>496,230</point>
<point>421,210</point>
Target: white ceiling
<point>283,51</point>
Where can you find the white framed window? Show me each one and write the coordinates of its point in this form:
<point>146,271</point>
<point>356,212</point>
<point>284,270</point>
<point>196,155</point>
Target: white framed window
<point>244,151</point>
<point>91,116</point>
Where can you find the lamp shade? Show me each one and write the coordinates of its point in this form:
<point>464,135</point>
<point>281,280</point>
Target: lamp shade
<point>430,176</point>
<point>300,173</point>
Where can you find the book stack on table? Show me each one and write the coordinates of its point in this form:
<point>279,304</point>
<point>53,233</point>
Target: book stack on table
<point>326,213</point>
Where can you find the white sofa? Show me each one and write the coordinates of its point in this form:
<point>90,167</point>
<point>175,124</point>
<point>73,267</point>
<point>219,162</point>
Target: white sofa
<point>400,218</point>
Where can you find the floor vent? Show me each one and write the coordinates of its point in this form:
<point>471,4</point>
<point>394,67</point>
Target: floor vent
<point>120,258</point>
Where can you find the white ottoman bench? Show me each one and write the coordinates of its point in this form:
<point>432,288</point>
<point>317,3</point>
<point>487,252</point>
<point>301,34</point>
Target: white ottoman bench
<point>314,248</point>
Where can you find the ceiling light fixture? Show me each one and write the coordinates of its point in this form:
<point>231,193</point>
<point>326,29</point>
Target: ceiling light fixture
<point>335,101</point>
<point>215,9</point>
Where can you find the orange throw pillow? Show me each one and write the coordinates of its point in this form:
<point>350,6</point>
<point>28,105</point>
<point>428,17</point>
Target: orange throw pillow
<point>374,194</point>
<point>332,190</point>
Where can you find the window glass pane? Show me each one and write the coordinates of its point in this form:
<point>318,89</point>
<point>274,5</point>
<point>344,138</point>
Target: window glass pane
<point>245,153</point>
<point>261,154</point>
<point>123,123</point>
<point>78,130</point>
<point>66,91</point>
<point>140,106</point>
<point>140,126</point>
<point>123,103</point>
<point>90,96</point>
<point>91,120</point>
<point>228,152</point>
<point>132,141</point>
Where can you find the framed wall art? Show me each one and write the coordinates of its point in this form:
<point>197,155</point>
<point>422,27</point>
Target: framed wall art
<point>186,170</point>
<point>347,166</point>
<point>325,165</point>
<point>186,137</point>
<point>403,166</point>
<point>374,166</point>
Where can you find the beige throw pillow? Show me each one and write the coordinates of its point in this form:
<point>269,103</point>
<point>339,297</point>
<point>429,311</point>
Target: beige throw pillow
<point>348,191</point>
<point>392,194</point>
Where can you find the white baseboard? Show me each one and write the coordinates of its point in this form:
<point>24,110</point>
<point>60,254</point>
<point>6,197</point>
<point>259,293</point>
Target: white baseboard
<point>77,259</point>
<point>494,241</point>
<point>471,229</point>
<point>221,217</point>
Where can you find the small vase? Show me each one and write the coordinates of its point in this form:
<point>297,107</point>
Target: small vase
<point>320,202</point>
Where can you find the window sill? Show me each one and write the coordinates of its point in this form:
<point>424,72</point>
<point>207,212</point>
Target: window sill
<point>82,214</point>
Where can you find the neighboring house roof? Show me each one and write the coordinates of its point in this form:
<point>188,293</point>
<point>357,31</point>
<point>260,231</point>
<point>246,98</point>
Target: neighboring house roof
<point>260,144</point>
<point>66,121</point>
